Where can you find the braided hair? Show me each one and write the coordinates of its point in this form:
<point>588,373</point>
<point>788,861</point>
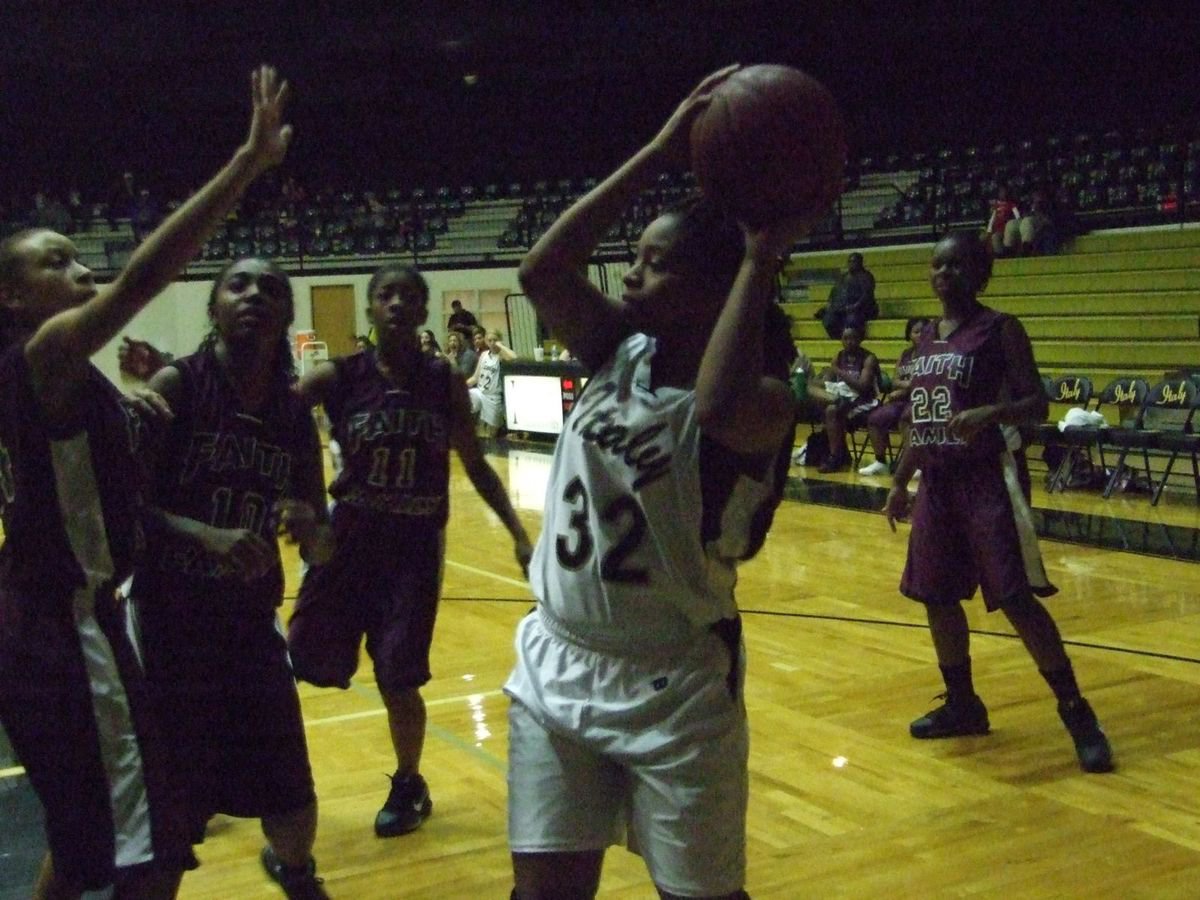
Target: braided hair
<point>285,363</point>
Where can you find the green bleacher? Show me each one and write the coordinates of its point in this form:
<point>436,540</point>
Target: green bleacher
<point>1118,303</point>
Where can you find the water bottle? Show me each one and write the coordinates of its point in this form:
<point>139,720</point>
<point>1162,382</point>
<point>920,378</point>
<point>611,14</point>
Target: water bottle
<point>800,384</point>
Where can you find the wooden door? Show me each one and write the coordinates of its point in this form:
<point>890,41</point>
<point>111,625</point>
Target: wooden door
<point>491,312</point>
<point>333,317</point>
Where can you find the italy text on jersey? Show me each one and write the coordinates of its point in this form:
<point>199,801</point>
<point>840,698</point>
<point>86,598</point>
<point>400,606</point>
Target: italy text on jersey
<point>635,448</point>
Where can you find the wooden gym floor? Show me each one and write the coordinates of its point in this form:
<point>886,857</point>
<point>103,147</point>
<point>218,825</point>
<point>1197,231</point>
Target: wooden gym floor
<point>843,803</point>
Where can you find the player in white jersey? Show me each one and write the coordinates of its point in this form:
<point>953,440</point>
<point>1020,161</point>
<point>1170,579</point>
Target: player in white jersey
<point>627,710</point>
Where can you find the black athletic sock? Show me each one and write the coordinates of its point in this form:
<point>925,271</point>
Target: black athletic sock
<point>1062,682</point>
<point>959,687</point>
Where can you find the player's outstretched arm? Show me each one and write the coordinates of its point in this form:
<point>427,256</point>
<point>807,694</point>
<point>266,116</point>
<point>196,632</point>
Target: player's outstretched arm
<point>484,478</point>
<point>737,403</point>
<point>553,273</point>
<point>59,351</point>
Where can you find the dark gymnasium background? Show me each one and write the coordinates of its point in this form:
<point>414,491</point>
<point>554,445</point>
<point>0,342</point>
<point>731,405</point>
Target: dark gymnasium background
<point>446,92</point>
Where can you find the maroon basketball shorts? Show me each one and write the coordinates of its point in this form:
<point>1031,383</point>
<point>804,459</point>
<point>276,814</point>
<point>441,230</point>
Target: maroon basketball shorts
<point>383,582</point>
<point>888,416</point>
<point>74,704</point>
<point>972,527</point>
<point>225,695</point>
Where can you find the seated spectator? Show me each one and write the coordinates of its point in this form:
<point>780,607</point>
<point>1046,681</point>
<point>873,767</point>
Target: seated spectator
<point>462,358</point>
<point>1168,201</point>
<point>487,389</point>
<point>849,393</point>
<point>429,343</point>
<point>852,300</point>
<point>889,415</point>
<point>1004,211</point>
<point>1040,233</point>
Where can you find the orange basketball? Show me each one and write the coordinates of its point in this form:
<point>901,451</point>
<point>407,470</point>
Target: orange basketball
<point>771,145</point>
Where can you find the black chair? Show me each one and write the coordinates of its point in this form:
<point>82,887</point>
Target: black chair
<point>1179,394</point>
<point>1080,440</point>
<point>1133,436</point>
<point>1073,389</point>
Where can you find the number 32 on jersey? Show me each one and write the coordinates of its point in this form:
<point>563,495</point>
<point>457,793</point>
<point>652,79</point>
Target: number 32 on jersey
<point>577,548</point>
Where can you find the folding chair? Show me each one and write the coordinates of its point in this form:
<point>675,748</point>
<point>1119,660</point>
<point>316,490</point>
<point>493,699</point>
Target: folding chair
<point>1074,389</point>
<point>1080,440</point>
<point>1182,441</point>
<point>1165,395</point>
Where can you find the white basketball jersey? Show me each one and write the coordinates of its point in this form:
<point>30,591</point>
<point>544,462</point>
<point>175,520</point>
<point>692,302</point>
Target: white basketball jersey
<point>629,554</point>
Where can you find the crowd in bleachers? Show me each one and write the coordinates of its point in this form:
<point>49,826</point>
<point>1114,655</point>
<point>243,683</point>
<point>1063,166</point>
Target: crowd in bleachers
<point>1109,174</point>
<point>1070,182</point>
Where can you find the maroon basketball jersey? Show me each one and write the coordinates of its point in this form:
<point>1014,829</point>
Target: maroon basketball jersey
<point>904,365</point>
<point>225,467</point>
<point>88,470</point>
<point>395,437</point>
<point>852,362</point>
<point>953,374</point>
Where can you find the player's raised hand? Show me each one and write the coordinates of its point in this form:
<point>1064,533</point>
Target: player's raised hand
<point>269,137</point>
<point>674,139</point>
<point>775,239</point>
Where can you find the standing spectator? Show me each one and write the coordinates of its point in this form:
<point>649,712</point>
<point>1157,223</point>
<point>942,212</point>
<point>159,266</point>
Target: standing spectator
<point>79,213</point>
<point>396,414</point>
<point>121,200</point>
<point>974,375</point>
<point>293,194</point>
<point>852,300</point>
<point>49,212</point>
<point>461,319</point>
<point>145,214</point>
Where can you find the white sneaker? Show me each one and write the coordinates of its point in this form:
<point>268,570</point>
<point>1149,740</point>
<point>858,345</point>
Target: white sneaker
<point>916,474</point>
<point>875,468</point>
<point>798,458</point>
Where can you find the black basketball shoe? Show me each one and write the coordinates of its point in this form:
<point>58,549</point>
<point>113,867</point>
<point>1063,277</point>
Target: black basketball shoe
<point>955,719</point>
<point>298,884</point>
<point>407,807</point>
<point>1091,746</point>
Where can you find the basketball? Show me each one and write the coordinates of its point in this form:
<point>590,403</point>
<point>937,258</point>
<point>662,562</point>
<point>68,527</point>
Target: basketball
<point>770,145</point>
